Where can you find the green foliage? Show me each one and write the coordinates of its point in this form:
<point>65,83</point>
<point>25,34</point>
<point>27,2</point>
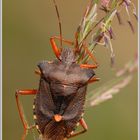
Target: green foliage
<point>100,29</point>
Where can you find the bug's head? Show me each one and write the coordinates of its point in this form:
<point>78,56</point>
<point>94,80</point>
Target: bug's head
<point>68,56</point>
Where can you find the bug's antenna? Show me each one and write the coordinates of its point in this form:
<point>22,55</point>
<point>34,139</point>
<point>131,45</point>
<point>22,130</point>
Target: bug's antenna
<point>59,21</point>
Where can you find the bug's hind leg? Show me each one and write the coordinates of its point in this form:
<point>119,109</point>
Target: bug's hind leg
<point>85,127</point>
<point>20,110</point>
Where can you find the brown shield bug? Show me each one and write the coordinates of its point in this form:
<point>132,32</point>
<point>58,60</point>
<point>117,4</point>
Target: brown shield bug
<point>59,101</point>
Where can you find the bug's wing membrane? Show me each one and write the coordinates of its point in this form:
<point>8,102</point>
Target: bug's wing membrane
<point>44,106</point>
<point>46,102</point>
<point>76,105</point>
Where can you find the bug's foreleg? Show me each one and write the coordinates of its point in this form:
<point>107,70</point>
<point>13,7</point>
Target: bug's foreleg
<point>85,127</point>
<point>94,79</point>
<point>56,50</point>
<point>91,56</point>
<point>89,66</point>
<point>37,71</point>
<point>20,110</point>
<point>64,40</point>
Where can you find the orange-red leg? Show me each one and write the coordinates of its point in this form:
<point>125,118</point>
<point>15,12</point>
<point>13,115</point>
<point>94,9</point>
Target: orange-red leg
<point>90,54</point>
<point>94,79</point>
<point>20,110</point>
<point>64,40</point>
<point>56,50</point>
<point>37,71</point>
<point>89,66</point>
<point>85,127</point>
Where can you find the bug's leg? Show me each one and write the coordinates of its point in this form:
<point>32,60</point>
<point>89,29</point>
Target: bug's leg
<point>64,40</point>
<point>89,66</point>
<point>85,127</point>
<point>91,56</point>
<point>87,53</point>
<point>37,71</point>
<point>94,79</point>
<point>25,132</point>
<point>56,50</point>
<point>20,110</point>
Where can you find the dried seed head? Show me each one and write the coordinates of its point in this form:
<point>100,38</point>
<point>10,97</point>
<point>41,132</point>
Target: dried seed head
<point>105,3</point>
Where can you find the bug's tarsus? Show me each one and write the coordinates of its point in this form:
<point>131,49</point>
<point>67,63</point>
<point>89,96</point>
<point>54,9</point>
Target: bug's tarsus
<point>59,22</point>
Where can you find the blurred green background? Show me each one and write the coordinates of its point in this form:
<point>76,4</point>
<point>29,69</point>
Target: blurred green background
<point>27,27</point>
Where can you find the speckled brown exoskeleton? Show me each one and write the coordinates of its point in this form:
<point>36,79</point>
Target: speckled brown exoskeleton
<point>59,101</point>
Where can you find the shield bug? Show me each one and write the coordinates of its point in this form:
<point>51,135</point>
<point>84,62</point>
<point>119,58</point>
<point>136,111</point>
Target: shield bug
<point>59,101</point>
